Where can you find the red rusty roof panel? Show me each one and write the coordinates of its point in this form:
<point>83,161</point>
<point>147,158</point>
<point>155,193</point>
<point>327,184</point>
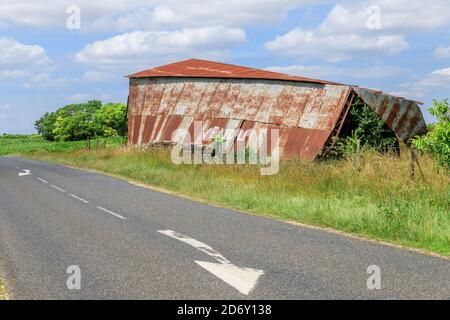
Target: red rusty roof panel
<point>403,116</point>
<point>196,68</point>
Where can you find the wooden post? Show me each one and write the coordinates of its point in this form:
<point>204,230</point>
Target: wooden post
<point>411,162</point>
<point>97,143</point>
<point>358,154</point>
<point>418,164</point>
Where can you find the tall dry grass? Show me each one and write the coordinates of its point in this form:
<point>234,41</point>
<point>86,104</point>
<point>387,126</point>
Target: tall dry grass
<point>377,200</point>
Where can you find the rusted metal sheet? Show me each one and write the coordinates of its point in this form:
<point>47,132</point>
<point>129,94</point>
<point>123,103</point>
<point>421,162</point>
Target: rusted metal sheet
<point>223,105</point>
<point>305,111</point>
<point>401,115</point>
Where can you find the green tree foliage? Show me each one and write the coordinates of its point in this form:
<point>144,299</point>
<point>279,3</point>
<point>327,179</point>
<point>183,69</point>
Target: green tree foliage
<point>364,124</point>
<point>79,121</point>
<point>45,125</point>
<point>110,120</point>
<point>437,141</point>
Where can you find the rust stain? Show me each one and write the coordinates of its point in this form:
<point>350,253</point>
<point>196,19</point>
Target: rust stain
<point>228,98</point>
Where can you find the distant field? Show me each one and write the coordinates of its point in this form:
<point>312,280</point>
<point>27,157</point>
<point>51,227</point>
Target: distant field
<point>15,144</point>
<point>379,201</point>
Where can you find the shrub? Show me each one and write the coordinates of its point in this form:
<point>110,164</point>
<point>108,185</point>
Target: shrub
<point>437,141</point>
<point>79,121</point>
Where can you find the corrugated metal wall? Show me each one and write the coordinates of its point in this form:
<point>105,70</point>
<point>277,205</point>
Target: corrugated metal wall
<point>305,113</point>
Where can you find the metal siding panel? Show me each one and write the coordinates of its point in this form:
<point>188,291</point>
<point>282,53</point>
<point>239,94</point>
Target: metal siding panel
<point>403,116</point>
<point>310,116</point>
<point>172,124</point>
<point>148,128</point>
<point>215,105</point>
<point>269,102</point>
<point>169,99</point>
<point>203,106</point>
<point>136,128</point>
<point>250,100</point>
<point>230,99</point>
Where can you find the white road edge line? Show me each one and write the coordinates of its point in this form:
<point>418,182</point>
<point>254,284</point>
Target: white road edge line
<point>78,198</point>
<point>242,279</point>
<point>112,213</point>
<point>42,180</point>
<point>58,188</point>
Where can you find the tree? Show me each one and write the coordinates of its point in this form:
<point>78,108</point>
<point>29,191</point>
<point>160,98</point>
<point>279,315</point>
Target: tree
<point>45,125</point>
<point>111,120</point>
<point>80,121</point>
<point>76,121</point>
<point>437,141</point>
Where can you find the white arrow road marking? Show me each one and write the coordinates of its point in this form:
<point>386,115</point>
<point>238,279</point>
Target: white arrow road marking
<point>242,279</point>
<point>25,172</point>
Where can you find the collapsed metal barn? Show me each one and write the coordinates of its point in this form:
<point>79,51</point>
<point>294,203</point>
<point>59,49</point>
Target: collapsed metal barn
<point>309,113</point>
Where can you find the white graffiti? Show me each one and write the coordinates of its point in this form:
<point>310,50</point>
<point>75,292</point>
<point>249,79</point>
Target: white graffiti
<point>217,145</point>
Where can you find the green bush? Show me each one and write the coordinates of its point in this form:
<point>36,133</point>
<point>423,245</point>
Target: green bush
<point>79,121</point>
<point>437,141</point>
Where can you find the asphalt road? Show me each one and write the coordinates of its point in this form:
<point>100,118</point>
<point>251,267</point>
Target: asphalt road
<point>134,243</point>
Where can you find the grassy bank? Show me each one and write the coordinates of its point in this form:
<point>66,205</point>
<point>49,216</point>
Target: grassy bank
<point>3,293</point>
<point>379,201</point>
<point>13,144</point>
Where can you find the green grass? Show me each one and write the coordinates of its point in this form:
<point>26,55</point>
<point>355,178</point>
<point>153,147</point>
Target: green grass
<point>15,144</point>
<point>378,201</point>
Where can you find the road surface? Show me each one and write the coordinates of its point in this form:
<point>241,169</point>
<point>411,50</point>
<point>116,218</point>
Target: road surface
<point>72,234</point>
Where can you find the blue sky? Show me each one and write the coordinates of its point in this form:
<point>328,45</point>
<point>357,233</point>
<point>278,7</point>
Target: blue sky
<point>401,47</point>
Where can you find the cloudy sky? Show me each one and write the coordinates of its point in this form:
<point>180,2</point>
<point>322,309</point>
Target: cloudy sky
<point>49,57</point>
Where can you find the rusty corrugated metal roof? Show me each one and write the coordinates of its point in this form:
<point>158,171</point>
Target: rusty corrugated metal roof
<point>196,68</point>
<point>401,115</point>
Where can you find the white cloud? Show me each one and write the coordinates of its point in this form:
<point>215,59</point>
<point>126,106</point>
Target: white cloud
<point>96,76</point>
<point>326,72</point>
<point>146,14</point>
<point>434,82</point>
<point>52,13</point>
<point>138,49</point>
<point>334,47</point>
<point>16,54</point>
<point>196,13</point>
<point>18,60</point>
<point>45,80</point>
<point>13,74</point>
<point>442,52</point>
<point>404,16</point>
<point>441,73</point>
<point>346,32</point>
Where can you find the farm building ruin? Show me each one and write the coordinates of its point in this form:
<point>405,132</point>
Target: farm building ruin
<point>309,113</point>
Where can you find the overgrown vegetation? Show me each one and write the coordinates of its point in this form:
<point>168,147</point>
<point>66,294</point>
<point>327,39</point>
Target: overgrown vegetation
<point>375,198</point>
<point>15,144</point>
<point>365,126</point>
<point>378,201</point>
<point>437,141</point>
<point>81,121</point>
